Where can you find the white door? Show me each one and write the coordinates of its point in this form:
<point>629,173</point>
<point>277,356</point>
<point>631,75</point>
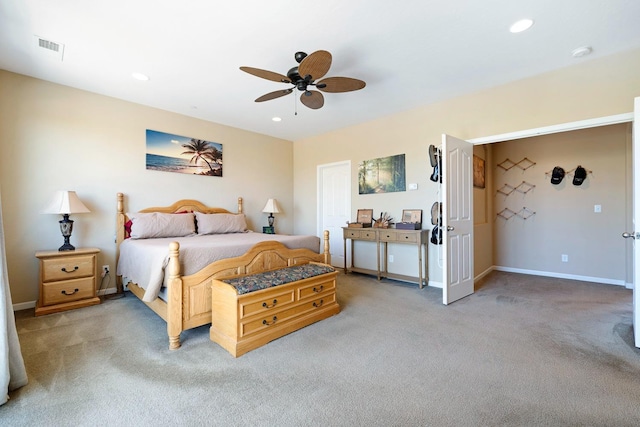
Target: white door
<point>635,148</point>
<point>334,205</point>
<point>457,217</point>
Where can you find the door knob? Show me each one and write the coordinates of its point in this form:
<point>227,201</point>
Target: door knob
<point>450,228</point>
<point>632,235</point>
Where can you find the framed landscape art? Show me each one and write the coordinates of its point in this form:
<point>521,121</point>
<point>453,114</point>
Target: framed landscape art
<point>382,175</point>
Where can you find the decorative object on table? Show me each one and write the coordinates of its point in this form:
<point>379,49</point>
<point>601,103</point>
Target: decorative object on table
<point>271,207</point>
<point>411,219</point>
<point>174,153</point>
<point>268,230</point>
<point>364,219</point>
<point>65,203</point>
<point>382,175</point>
<point>384,221</point>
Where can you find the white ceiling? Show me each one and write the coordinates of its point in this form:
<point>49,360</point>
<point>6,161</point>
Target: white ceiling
<point>409,52</point>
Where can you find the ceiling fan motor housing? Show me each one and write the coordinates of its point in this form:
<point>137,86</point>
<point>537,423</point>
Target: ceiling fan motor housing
<point>297,80</point>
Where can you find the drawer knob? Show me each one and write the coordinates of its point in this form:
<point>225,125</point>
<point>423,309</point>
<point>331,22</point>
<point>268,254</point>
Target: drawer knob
<point>266,322</point>
<point>318,304</point>
<point>318,290</point>
<point>265,305</point>
<point>66,293</point>
<point>69,271</point>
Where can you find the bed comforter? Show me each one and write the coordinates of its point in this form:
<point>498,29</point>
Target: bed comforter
<point>143,261</point>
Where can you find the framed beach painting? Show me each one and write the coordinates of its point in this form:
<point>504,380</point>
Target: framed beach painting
<point>174,153</point>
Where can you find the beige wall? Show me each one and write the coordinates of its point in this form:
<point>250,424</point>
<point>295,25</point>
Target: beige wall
<point>564,220</point>
<point>590,89</point>
<point>54,137</point>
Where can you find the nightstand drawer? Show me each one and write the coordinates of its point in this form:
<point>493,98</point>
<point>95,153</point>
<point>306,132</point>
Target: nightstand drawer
<point>70,267</point>
<point>67,291</point>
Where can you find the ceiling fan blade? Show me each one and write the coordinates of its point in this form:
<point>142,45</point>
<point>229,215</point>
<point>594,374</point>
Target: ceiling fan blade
<point>312,99</point>
<point>269,75</point>
<point>340,84</point>
<point>273,95</point>
<point>315,65</point>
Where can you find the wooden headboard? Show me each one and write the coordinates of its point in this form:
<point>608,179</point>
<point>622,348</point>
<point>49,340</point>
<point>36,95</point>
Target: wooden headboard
<point>185,205</point>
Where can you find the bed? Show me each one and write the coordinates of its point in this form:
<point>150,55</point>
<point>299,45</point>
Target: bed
<point>175,288</point>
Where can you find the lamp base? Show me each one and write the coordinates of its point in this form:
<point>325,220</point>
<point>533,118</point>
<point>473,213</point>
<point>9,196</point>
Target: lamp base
<point>66,227</point>
<point>67,246</point>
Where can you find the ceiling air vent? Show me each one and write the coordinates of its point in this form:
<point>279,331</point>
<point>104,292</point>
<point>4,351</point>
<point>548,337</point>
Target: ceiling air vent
<point>48,47</point>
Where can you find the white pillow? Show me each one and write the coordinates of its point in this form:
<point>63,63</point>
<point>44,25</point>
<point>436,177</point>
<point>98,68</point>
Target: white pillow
<point>155,224</point>
<point>221,223</point>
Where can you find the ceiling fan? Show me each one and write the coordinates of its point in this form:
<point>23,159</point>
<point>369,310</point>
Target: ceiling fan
<point>304,77</point>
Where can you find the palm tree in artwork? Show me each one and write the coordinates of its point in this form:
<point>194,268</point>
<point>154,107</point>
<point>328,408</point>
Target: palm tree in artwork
<point>202,150</point>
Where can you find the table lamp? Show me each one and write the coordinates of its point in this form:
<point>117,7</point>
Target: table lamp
<point>271,207</point>
<point>65,203</point>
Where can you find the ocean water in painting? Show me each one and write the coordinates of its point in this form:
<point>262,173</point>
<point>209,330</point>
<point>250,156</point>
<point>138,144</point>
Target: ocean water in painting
<point>174,164</point>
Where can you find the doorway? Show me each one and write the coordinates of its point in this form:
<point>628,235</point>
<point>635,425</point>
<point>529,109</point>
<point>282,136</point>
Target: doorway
<point>334,205</point>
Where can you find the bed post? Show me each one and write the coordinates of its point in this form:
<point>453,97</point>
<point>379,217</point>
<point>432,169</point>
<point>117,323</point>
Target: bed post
<point>119,237</point>
<point>239,205</point>
<point>327,254</point>
<point>174,300</point>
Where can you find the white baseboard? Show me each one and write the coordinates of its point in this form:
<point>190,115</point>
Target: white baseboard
<point>24,305</point>
<point>433,284</point>
<point>562,276</point>
<point>31,304</point>
<point>484,273</point>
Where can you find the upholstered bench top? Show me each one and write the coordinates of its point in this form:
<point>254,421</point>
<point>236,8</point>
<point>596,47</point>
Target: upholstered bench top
<point>268,279</point>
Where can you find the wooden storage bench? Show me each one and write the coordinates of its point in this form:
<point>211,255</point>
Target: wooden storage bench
<point>251,310</point>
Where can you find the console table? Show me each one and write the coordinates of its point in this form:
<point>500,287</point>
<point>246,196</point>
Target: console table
<point>382,237</point>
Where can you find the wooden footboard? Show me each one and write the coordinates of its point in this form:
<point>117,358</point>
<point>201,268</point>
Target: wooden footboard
<point>189,297</point>
<point>188,302</point>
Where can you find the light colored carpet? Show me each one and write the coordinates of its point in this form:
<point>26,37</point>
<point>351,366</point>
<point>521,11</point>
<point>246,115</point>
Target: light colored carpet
<point>523,350</point>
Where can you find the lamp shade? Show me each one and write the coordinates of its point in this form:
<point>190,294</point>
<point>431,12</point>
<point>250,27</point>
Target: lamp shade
<point>271,206</point>
<point>65,202</point>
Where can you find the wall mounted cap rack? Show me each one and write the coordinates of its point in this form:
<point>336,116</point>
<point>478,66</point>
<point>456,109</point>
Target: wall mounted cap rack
<point>506,213</point>
<point>524,213</point>
<point>569,172</point>
<point>523,164</point>
<point>524,187</point>
<point>506,189</point>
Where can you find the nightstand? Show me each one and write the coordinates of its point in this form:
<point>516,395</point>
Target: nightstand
<point>67,280</point>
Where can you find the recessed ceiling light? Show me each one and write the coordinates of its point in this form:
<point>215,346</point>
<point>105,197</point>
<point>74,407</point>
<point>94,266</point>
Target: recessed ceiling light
<point>581,51</point>
<point>521,25</point>
<point>276,119</point>
<point>140,76</point>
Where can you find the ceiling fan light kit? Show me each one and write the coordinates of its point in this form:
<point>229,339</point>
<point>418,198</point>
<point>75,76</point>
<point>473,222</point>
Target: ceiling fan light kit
<point>303,77</point>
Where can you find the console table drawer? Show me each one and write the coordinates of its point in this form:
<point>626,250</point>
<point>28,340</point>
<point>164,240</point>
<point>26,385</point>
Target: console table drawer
<point>407,237</point>
<point>388,236</point>
<point>359,234</point>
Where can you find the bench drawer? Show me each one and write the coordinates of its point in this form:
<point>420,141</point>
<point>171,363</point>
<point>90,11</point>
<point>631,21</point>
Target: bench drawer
<point>281,317</point>
<point>264,303</point>
<point>319,287</point>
